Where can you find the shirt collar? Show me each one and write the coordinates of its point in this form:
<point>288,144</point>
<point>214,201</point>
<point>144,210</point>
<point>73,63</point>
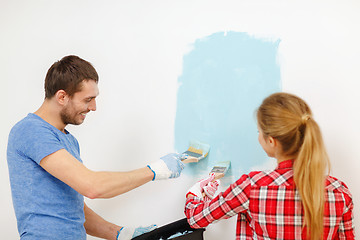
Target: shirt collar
<point>285,164</point>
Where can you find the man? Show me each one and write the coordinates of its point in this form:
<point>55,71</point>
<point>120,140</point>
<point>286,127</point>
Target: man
<point>47,176</point>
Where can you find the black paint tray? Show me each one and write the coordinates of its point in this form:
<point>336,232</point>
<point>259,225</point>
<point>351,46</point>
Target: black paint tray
<point>180,226</point>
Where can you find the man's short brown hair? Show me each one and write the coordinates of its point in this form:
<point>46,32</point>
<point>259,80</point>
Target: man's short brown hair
<point>68,74</point>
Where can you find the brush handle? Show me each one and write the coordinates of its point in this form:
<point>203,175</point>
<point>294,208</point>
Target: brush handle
<point>218,176</point>
<point>190,160</point>
<point>187,158</point>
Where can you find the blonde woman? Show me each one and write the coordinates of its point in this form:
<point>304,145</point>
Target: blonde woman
<point>297,200</point>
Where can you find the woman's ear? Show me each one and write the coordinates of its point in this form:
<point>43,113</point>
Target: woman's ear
<point>272,141</point>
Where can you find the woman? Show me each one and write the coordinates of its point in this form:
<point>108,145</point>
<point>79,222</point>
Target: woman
<point>297,200</point>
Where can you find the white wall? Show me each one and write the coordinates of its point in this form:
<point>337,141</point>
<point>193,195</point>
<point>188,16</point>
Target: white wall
<point>137,48</point>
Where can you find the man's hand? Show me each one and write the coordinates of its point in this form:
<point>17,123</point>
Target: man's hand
<point>169,166</point>
<point>127,233</point>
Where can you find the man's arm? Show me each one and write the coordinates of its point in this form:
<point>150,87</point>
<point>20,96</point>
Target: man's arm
<point>92,184</point>
<point>99,227</point>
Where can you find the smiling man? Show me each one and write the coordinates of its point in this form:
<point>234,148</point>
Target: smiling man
<point>47,175</point>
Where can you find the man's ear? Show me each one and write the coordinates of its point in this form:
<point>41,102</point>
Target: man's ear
<point>61,97</point>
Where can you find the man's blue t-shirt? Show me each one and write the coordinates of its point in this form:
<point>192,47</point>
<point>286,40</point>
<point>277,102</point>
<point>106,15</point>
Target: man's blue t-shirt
<point>45,207</point>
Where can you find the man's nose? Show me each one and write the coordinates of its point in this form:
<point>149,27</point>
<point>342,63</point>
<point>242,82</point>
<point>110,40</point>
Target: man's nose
<point>92,105</point>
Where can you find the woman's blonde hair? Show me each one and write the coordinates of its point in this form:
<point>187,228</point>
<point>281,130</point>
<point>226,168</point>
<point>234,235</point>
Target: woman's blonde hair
<point>288,119</point>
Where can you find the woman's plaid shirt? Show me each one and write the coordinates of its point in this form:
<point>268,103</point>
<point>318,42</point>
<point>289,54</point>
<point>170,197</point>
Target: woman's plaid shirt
<point>269,207</point>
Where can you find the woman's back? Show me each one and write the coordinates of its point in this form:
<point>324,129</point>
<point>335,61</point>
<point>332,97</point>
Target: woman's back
<point>276,212</point>
<point>269,207</point>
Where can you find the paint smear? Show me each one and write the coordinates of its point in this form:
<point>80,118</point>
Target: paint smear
<point>225,78</point>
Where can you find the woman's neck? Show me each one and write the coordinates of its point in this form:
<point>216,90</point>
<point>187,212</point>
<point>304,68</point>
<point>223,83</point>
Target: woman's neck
<point>284,157</point>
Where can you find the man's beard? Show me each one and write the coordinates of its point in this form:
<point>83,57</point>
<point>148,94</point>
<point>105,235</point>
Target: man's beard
<point>68,118</point>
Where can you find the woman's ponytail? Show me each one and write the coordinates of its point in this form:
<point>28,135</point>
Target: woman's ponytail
<point>288,119</point>
<point>309,176</point>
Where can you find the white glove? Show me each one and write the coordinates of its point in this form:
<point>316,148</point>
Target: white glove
<point>210,190</point>
<point>127,233</point>
<point>169,166</point>
<point>204,188</point>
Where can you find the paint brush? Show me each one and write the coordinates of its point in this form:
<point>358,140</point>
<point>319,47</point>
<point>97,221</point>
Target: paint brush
<point>220,169</point>
<point>196,151</point>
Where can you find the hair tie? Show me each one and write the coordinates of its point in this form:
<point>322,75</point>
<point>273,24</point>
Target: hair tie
<point>305,118</point>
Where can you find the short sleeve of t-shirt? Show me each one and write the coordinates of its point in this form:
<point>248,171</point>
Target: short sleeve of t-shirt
<point>36,139</point>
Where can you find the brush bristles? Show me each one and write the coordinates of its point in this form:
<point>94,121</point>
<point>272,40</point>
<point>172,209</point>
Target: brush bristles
<point>195,150</point>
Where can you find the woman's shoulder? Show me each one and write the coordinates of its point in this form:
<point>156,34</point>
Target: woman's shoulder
<point>337,186</point>
<point>271,178</point>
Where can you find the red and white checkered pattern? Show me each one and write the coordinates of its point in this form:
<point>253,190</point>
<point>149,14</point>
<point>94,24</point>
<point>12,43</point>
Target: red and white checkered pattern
<point>269,207</point>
